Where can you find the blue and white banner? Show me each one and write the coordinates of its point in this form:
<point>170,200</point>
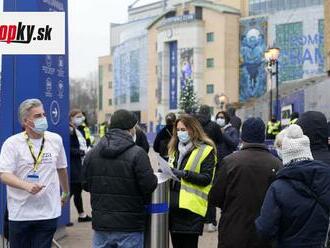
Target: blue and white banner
<point>173,47</point>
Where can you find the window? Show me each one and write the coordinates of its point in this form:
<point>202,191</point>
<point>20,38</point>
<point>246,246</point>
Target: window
<point>110,102</point>
<point>110,84</point>
<point>199,13</point>
<point>210,37</point>
<point>210,63</point>
<point>210,89</point>
<point>170,14</point>
<point>110,67</point>
<point>186,12</point>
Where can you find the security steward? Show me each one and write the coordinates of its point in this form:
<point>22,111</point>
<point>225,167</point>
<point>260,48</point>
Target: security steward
<point>192,159</point>
<point>273,128</point>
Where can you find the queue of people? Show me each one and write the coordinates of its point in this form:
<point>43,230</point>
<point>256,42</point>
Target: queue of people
<point>265,200</point>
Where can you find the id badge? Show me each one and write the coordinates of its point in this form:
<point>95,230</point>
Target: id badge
<point>33,178</point>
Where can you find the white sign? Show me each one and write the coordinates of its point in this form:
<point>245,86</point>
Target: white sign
<point>32,33</point>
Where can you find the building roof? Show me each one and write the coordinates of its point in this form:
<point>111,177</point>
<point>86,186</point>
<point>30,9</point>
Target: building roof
<point>143,3</point>
<point>204,4</point>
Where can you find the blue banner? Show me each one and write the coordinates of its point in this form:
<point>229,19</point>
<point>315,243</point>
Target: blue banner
<point>173,47</point>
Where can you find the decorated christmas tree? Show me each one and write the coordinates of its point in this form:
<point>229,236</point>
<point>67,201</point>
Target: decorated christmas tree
<point>188,98</point>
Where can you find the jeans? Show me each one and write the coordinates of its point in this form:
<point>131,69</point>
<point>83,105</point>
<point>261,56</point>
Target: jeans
<point>118,239</point>
<point>32,234</point>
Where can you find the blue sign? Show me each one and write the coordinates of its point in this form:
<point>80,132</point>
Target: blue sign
<point>35,76</point>
<point>173,47</point>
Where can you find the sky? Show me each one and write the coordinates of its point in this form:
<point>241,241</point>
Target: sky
<point>89,36</point>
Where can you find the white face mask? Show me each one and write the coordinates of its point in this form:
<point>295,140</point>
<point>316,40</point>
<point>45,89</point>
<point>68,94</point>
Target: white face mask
<point>221,122</point>
<point>77,121</point>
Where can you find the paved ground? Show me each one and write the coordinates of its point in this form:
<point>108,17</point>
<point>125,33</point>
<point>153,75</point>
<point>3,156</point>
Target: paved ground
<point>80,234</point>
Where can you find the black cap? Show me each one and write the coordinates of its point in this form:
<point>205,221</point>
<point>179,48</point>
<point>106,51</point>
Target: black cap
<point>123,119</point>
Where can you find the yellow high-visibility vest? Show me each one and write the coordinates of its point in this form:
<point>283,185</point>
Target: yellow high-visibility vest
<point>294,121</point>
<point>273,128</point>
<point>87,131</point>
<point>194,197</point>
<point>102,130</point>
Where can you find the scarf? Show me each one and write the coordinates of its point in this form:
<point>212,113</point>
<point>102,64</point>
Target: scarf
<point>184,149</point>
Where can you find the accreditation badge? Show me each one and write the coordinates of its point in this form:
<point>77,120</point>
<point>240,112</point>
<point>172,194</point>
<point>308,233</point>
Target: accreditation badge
<point>33,177</point>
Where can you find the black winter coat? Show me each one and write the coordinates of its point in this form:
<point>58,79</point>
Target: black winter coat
<point>290,212</point>
<point>142,140</point>
<point>314,125</point>
<point>239,191</point>
<point>75,157</point>
<point>120,179</point>
<point>230,142</point>
<point>162,139</point>
<point>182,220</point>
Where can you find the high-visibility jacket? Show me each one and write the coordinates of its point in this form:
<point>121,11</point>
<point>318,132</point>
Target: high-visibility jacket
<point>87,131</point>
<point>194,197</point>
<point>102,130</point>
<point>273,128</point>
<point>294,121</point>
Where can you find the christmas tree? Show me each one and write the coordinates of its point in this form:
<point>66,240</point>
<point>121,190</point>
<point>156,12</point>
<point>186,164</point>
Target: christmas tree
<point>188,98</point>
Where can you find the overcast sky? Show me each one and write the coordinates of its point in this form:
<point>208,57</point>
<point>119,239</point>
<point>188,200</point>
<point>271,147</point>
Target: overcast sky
<point>89,38</point>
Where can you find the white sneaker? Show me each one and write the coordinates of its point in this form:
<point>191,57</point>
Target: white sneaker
<point>211,228</point>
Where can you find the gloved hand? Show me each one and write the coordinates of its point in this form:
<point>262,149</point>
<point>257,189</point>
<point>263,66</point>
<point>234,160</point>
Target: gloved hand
<point>179,173</point>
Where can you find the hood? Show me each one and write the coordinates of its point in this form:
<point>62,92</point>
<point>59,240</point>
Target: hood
<point>115,142</point>
<point>314,125</point>
<point>314,174</point>
<point>203,119</point>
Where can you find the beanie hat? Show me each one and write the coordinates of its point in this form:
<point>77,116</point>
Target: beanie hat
<point>253,130</point>
<point>295,145</point>
<point>123,119</point>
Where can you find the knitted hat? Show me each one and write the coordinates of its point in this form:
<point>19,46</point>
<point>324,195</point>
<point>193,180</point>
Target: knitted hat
<point>295,145</point>
<point>123,119</point>
<point>253,130</point>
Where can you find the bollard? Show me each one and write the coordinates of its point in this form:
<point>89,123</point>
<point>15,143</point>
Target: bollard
<point>157,234</point>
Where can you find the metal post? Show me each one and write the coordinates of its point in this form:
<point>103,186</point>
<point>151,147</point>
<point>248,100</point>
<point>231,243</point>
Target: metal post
<point>270,90</point>
<point>277,97</point>
<point>157,234</point>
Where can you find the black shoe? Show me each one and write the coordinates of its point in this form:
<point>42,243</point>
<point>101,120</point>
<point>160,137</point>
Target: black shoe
<point>69,224</point>
<point>84,219</point>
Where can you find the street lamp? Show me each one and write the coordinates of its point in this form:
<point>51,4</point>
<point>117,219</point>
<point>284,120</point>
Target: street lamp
<point>271,57</point>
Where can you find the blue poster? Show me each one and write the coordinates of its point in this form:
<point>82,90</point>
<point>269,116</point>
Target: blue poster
<point>253,42</point>
<point>173,47</point>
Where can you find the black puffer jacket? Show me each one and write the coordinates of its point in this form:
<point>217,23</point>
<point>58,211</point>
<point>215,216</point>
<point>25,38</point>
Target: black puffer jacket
<point>120,179</point>
<point>162,139</point>
<point>182,220</point>
<point>314,125</point>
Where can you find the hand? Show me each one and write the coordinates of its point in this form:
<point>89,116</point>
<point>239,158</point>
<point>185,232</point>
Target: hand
<point>222,130</point>
<point>33,188</point>
<point>64,198</point>
<point>179,173</point>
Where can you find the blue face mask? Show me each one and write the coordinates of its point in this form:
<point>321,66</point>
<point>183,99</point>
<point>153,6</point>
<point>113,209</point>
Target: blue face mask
<point>40,125</point>
<point>183,136</point>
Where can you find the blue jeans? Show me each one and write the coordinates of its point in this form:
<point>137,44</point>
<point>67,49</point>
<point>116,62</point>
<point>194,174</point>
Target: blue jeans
<point>118,240</point>
<point>32,234</point>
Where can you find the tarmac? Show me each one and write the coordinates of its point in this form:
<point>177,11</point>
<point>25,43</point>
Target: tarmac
<point>80,234</point>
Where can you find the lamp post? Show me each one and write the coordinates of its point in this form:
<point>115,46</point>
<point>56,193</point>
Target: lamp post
<point>271,57</point>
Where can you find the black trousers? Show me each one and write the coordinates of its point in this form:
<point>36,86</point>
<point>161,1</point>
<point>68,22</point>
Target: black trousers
<point>32,234</point>
<point>75,191</point>
<point>181,240</point>
<point>211,215</point>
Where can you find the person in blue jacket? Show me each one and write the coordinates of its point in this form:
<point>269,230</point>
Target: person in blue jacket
<point>295,211</point>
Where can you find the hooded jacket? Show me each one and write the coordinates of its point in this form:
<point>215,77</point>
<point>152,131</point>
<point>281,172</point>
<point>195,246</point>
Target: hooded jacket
<point>120,179</point>
<point>290,212</point>
<point>314,125</point>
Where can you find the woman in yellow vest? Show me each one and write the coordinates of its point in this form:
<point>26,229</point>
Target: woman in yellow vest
<point>192,158</point>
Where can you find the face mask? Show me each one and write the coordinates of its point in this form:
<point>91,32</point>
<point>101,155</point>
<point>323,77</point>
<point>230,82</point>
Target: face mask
<point>221,122</point>
<point>77,121</point>
<point>40,125</point>
<point>183,136</point>
<point>134,138</point>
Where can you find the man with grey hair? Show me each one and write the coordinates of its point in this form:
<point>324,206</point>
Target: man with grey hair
<point>33,165</point>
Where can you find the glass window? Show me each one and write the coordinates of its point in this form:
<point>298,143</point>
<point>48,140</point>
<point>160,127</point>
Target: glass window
<point>199,13</point>
<point>110,84</point>
<point>210,89</point>
<point>100,87</point>
<point>186,12</point>
<point>210,37</point>
<point>210,63</point>
<point>110,67</point>
<point>110,102</point>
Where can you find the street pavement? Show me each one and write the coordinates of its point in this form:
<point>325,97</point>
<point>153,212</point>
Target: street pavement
<point>80,235</point>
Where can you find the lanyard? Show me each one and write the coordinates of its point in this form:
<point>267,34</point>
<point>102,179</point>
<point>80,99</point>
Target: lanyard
<point>37,160</point>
